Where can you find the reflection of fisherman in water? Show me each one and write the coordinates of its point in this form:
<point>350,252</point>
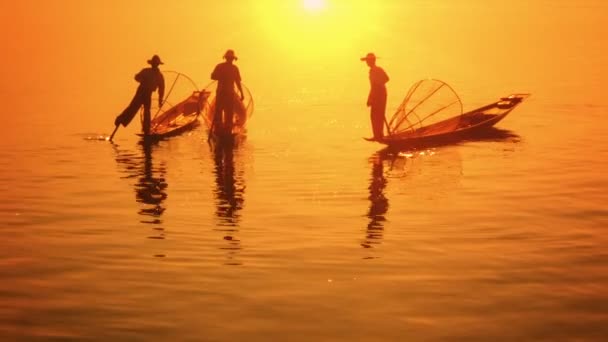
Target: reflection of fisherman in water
<point>378,203</point>
<point>429,177</point>
<point>150,187</point>
<point>229,194</point>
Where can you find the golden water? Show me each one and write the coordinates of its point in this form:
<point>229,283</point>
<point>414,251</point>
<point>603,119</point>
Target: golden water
<point>304,231</point>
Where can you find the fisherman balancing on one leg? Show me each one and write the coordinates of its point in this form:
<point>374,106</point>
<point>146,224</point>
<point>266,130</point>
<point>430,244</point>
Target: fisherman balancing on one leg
<point>150,79</point>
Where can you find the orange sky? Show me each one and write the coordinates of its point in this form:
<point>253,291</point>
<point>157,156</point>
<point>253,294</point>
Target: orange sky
<point>88,49</point>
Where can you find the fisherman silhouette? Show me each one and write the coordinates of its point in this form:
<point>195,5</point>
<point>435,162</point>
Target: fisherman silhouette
<point>227,76</point>
<point>376,99</point>
<point>150,79</point>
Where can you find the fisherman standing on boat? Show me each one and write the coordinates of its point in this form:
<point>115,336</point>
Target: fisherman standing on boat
<point>150,79</point>
<point>227,76</point>
<point>377,95</point>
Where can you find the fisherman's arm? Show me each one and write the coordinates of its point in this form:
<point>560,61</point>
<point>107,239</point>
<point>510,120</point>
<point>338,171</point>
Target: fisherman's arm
<point>214,74</point>
<point>138,76</point>
<point>385,76</point>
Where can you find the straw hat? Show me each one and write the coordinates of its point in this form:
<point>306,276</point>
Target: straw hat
<point>230,54</point>
<point>155,60</point>
<point>369,56</point>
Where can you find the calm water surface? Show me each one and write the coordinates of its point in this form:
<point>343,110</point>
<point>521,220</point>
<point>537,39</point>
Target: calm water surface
<point>304,231</point>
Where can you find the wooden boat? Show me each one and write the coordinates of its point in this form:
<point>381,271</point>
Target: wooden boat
<point>431,114</point>
<point>180,117</point>
<point>183,106</point>
<point>456,128</point>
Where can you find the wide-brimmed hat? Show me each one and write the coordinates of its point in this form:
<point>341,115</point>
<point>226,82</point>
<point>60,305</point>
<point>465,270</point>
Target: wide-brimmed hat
<point>369,56</point>
<point>230,54</point>
<point>155,60</point>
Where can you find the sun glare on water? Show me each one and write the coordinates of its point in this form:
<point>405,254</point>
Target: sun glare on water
<point>314,5</point>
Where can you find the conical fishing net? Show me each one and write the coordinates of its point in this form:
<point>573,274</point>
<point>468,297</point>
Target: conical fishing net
<point>182,98</point>
<point>243,110</point>
<point>426,103</point>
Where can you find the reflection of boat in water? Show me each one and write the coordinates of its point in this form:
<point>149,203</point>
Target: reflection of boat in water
<point>150,187</point>
<point>229,196</point>
<point>488,134</point>
<point>431,115</point>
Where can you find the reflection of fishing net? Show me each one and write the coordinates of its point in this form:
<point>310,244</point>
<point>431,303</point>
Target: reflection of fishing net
<point>426,103</point>
<point>243,110</point>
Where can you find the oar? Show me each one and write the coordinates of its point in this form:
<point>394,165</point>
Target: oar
<point>115,129</point>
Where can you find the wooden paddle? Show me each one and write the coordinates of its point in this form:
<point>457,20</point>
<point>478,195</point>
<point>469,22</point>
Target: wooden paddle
<point>115,129</point>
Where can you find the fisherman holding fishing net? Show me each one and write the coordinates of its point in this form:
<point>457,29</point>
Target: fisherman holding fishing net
<point>150,79</point>
<point>227,76</point>
<point>377,95</point>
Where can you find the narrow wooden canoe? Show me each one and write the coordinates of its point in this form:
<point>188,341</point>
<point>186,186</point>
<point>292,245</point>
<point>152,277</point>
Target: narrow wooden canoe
<point>179,118</point>
<point>456,128</point>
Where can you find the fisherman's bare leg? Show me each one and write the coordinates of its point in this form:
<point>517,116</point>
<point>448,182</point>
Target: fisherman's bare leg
<point>147,115</point>
<point>127,115</point>
<point>217,117</point>
<point>377,118</point>
<point>229,115</point>
<point>223,105</point>
<point>378,110</point>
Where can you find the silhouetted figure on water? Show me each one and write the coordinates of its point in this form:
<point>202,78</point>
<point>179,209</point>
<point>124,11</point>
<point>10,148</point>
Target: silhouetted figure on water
<point>150,79</point>
<point>227,76</point>
<point>376,99</point>
<point>378,202</point>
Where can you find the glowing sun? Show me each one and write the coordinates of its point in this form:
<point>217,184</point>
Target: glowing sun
<point>313,5</point>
